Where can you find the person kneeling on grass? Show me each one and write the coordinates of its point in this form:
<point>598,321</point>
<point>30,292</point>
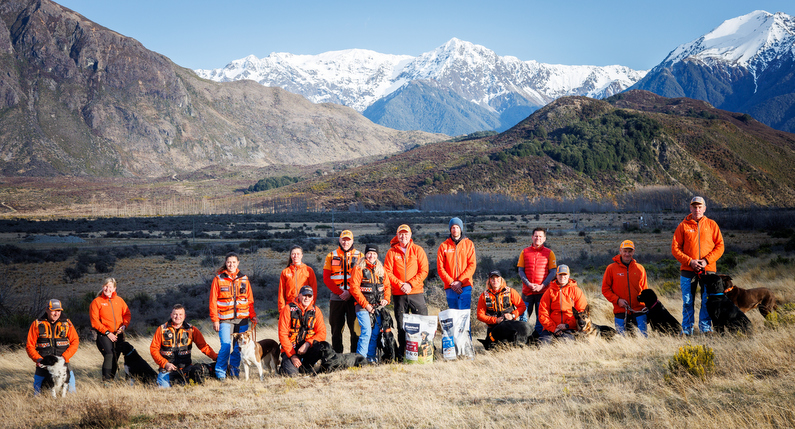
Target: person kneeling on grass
<point>499,302</point>
<point>302,334</point>
<point>555,310</point>
<point>172,344</point>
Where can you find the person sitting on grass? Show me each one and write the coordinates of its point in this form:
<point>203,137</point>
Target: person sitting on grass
<point>172,344</point>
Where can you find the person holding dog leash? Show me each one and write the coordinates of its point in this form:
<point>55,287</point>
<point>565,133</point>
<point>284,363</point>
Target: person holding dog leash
<point>555,308</point>
<point>231,310</point>
<point>370,295</point>
<point>51,334</point>
<point>172,343</point>
<point>622,282</point>
<point>697,244</point>
<point>302,334</point>
<point>109,316</point>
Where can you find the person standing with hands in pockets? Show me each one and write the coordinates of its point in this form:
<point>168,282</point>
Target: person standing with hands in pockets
<point>456,264</point>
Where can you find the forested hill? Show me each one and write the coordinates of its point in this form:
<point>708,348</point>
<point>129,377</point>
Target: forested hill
<point>582,147</point>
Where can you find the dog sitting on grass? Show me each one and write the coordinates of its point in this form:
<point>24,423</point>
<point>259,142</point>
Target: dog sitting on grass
<point>725,315</point>
<point>658,317</point>
<point>56,366</point>
<point>748,299</point>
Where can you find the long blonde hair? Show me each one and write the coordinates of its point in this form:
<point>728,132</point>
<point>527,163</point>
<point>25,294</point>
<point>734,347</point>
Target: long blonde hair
<point>379,267</point>
<point>106,281</point>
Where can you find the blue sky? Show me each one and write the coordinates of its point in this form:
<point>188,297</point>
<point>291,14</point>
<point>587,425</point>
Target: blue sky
<point>209,34</point>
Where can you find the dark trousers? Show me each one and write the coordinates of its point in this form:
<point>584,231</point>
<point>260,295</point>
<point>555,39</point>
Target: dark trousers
<point>308,360</point>
<point>110,356</point>
<point>340,313</point>
<point>408,304</point>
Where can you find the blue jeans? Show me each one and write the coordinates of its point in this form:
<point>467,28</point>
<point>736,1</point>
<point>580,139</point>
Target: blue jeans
<point>688,287</point>
<point>534,301</point>
<point>224,357</point>
<point>368,337</point>
<point>39,379</point>
<point>462,301</point>
<point>641,323</point>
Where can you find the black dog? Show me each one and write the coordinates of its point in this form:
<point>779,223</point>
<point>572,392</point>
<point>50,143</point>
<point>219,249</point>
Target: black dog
<point>135,366</point>
<point>331,361</point>
<point>386,338</point>
<point>511,332</point>
<point>658,317</point>
<point>724,313</point>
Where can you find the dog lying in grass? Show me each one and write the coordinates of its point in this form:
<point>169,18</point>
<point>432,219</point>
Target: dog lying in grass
<point>725,315</point>
<point>747,299</point>
<point>331,361</point>
<point>510,332</point>
<point>588,329</point>
<point>658,317</point>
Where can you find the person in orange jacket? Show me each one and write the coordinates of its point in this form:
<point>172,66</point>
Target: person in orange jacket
<point>555,309</point>
<point>536,268</point>
<point>621,284</point>
<point>499,302</point>
<point>370,294</point>
<point>697,244</point>
<point>109,316</point>
<point>172,343</point>
<point>339,275</point>
<point>456,264</point>
<point>231,310</point>
<point>296,275</point>
<point>302,334</point>
<point>405,268</point>
<point>51,334</point>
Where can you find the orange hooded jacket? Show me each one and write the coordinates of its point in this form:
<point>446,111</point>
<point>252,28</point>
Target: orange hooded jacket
<point>411,267</point>
<point>625,282</point>
<point>456,261</point>
<point>697,240</point>
<point>318,329</point>
<point>557,302</point>
<point>292,279</point>
<point>109,314</point>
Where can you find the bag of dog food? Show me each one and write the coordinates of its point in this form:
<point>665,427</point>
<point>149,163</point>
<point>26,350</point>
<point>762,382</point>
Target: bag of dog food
<point>420,331</point>
<point>456,340</point>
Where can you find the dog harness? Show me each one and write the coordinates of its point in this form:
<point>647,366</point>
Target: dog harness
<point>232,301</point>
<point>176,343</point>
<point>53,338</point>
<point>302,325</point>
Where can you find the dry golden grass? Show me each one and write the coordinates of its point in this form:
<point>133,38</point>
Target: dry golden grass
<point>625,382</point>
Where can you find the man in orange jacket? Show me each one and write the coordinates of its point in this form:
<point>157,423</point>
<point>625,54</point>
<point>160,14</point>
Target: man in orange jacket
<point>536,267</point>
<point>405,270</point>
<point>302,334</point>
<point>172,343</point>
<point>621,284</point>
<point>339,273</point>
<point>555,309</point>
<point>456,264</point>
<point>697,244</point>
<point>51,334</point>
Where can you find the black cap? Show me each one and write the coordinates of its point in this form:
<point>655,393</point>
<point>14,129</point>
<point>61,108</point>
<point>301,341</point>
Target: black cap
<point>495,273</point>
<point>306,291</point>
<point>370,248</point>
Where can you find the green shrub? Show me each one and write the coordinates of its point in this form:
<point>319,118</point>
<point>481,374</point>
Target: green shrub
<point>695,361</point>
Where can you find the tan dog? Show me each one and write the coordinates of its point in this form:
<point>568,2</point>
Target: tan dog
<point>270,354</point>
<point>250,352</point>
<point>588,329</point>
<point>748,299</point>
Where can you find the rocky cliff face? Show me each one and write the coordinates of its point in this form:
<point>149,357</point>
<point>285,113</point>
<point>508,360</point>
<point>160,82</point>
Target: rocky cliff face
<point>79,99</point>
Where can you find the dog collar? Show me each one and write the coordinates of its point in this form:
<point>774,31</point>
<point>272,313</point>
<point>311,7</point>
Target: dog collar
<point>714,294</point>
<point>655,303</point>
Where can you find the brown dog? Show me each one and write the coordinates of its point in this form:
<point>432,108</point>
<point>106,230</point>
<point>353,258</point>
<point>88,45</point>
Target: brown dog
<point>748,299</point>
<point>250,352</point>
<point>270,354</point>
<point>588,329</point>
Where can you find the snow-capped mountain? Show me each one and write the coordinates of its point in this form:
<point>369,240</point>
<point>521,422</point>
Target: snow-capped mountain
<point>494,85</point>
<point>746,64</point>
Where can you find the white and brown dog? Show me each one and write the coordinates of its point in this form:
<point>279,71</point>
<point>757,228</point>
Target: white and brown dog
<point>253,353</point>
<point>56,366</point>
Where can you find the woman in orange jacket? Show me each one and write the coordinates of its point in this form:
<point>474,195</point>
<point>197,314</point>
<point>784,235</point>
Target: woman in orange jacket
<point>296,275</point>
<point>499,302</point>
<point>555,310</point>
<point>109,316</point>
<point>231,309</point>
